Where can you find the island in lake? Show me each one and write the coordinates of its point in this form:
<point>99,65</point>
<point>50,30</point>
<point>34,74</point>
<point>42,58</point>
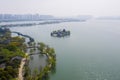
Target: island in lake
<point>60,33</point>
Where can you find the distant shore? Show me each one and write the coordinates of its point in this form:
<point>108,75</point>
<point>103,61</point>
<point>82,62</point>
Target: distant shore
<point>41,23</point>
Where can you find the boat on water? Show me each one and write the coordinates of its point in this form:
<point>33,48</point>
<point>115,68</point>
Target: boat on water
<point>60,33</point>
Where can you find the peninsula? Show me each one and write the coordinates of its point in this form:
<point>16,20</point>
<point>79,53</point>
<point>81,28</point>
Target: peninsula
<point>14,58</point>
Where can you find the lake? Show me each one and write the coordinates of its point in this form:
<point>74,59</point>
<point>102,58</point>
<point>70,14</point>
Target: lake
<point>91,52</point>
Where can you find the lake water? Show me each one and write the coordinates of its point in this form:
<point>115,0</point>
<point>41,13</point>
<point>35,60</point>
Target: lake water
<point>92,52</point>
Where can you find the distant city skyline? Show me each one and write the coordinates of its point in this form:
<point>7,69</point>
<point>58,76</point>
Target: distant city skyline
<point>61,8</point>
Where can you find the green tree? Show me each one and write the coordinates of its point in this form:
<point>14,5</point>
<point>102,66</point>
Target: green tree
<point>11,48</point>
<point>42,47</point>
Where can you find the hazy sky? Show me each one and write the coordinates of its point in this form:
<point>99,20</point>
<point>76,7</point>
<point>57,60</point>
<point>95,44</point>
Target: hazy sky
<point>62,7</point>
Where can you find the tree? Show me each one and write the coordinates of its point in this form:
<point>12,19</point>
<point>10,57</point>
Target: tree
<point>42,46</point>
<point>11,47</point>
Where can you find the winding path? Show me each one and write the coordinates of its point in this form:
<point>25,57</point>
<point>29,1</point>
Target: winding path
<point>30,38</point>
<point>20,74</point>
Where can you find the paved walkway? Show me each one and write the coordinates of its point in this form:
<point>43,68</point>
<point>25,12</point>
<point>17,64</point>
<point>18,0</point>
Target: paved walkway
<point>20,74</point>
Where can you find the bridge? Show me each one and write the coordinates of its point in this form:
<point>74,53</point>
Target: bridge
<point>33,54</point>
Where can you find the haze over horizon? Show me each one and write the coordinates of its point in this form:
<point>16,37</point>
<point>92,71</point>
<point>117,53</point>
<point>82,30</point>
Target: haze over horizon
<point>61,8</point>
